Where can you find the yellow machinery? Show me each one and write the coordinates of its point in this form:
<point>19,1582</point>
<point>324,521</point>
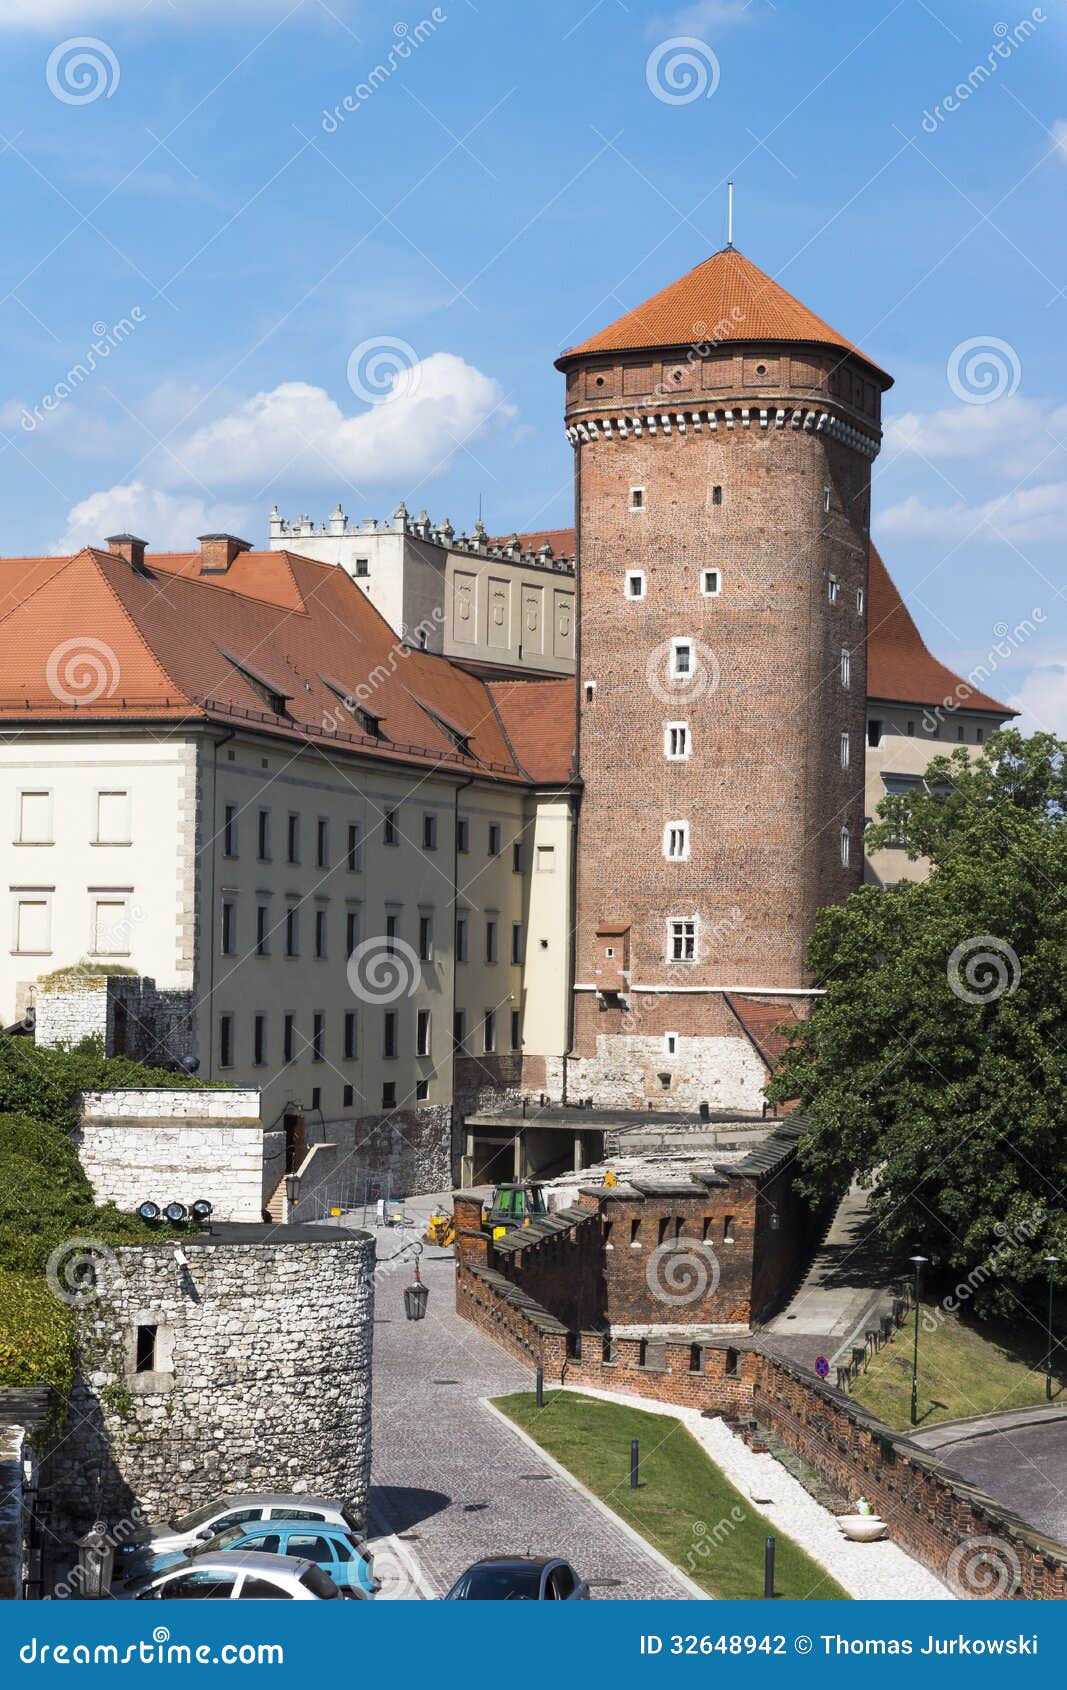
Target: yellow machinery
<point>440,1229</point>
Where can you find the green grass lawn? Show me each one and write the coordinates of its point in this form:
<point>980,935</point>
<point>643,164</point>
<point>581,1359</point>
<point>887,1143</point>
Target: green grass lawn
<point>684,1505</point>
<point>965,1367</point>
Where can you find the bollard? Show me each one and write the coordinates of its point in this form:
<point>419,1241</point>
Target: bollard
<point>539,1386</point>
<point>634,1453</point>
<point>768,1569</point>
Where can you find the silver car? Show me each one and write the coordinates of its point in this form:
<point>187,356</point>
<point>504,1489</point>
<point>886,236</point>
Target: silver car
<point>214,1517</point>
<point>242,1575</point>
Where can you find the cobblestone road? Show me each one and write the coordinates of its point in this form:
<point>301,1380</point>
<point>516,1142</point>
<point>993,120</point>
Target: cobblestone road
<point>449,1481</point>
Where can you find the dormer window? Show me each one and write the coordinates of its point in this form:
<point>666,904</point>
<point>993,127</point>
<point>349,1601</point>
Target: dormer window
<point>365,719</point>
<point>276,701</point>
<point>458,738</point>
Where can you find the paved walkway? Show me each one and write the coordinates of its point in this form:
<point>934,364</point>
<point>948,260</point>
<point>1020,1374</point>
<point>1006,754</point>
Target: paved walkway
<point>1018,1457</point>
<point>450,1482</point>
<point>848,1277</point>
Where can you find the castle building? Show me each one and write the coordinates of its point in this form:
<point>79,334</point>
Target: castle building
<point>395,825</point>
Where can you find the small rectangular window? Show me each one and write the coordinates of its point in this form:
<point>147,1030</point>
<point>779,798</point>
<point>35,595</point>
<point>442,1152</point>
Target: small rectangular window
<point>826,498</point>
<point>362,566</point>
<point>351,1046</point>
<point>463,834</point>
<point>318,1036</point>
<point>292,841</point>
<point>683,939</point>
<point>348,1094</point>
<point>392,932</point>
<point>846,847</point>
<point>494,839</point>
<point>637,498</point>
<point>425,938</point>
<point>490,940</point>
<point>859,601</point>
<point>35,819</point>
<point>832,589</point>
<point>422,1033</point>
<point>259,1040</point>
<point>545,859</point>
<point>316,1097</point>
<point>225,1041</point>
<point>320,932</point>
<point>229,831</point>
<point>676,741</point>
<point>322,843</point>
<point>112,818</point>
<point>489,1031</point>
<point>459,1028</point>
<point>429,833</point>
<point>145,1355</point>
<point>516,1029</point>
<point>263,836</point>
<point>517,857</point>
<point>461,938</point>
<point>710,583</point>
<point>389,1094</point>
<point>262,930</point>
<point>846,667</point>
<point>229,927</point>
<point>635,584</point>
<point>351,931</point>
<point>292,931</point>
<point>288,1038</point>
<point>390,828</point>
<point>422,1090</point>
<point>846,750</point>
<point>517,942</point>
<point>874,733</point>
<point>389,1034</point>
<point>676,841</point>
<point>681,658</point>
<point>670,1044</point>
<point>716,495</point>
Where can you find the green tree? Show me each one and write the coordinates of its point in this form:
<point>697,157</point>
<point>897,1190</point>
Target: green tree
<point>935,1066</point>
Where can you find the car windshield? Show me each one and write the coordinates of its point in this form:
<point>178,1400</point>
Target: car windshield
<point>221,1540</point>
<point>515,1582</point>
<point>318,1582</point>
<point>198,1517</point>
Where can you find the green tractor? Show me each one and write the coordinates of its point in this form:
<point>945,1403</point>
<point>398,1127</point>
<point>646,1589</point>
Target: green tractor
<point>514,1204</point>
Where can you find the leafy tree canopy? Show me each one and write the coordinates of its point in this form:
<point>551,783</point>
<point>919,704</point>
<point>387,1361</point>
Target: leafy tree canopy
<point>936,1064</point>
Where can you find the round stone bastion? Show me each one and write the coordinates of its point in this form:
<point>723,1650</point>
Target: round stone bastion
<point>245,1367</point>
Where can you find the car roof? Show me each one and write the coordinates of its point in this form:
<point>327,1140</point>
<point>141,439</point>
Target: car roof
<point>272,1499</point>
<point>515,1561</point>
<point>248,1560</point>
<point>321,1528</point>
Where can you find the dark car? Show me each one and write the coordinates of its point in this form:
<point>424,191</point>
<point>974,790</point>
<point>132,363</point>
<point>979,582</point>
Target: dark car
<point>519,1578</point>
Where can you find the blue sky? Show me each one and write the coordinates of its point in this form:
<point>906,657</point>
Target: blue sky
<point>300,303</point>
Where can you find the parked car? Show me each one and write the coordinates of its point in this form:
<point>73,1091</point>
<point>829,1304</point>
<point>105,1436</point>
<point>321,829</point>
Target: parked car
<point>244,1575</point>
<point>214,1517</point>
<point>337,1549</point>
<point>519,1578</point>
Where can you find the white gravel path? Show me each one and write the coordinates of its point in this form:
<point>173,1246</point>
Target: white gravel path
<point>868,1571</point>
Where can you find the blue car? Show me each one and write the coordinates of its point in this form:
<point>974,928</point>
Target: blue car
<point>333,1548</point>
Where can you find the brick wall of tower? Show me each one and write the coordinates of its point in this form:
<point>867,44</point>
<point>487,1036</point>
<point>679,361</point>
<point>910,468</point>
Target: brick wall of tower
<point>763,789</point>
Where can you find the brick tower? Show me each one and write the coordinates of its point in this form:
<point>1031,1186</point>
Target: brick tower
<point>723,440</point>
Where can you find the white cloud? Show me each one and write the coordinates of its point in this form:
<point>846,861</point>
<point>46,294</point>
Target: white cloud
<point>169,522</point>
<point>85,15</point>
<point>1012,434</point>
<point>297,430</point>
<point>1028,514</point>
<point>1042,700</point>
<point>702,15</point>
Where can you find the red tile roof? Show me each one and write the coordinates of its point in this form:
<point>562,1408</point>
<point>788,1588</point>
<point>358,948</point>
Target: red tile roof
<point>540,719</point>
<point>760,1022</point>
<point>899,666</point>
<point>726,298</point>
<point>560,539</point>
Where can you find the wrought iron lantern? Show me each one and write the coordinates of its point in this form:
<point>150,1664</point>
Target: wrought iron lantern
<point>416,1295</point>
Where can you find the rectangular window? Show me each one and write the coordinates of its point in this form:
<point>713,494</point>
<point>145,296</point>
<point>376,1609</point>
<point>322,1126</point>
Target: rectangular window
<point>546,859</point>
<point>390,828</point>
<point>351,931</point>
<point>262,930</point>
<point>637,498</point>
<point>846,667</point>
<point>517,945</point>
<point>516,1029</point>
<point>112,818</point>
<point>316,1098</point>
<point>635,583</point>
<point>494,839</point>
<point>259,1040</point>
<point>676,842</point>
<point>322,843</point>
<point>389,1034</point>
<point>422,1090</point>
<point>846,750</point>
<point>320,932</point>
<point>145,1353</point>
<point>111,927</point>
<point>710,583</point>
<point>459,1028</point>
<point>33,925</point>
<point>389,1094</point>
<point>429,833</point>
<point>422,1033</point>
<point>229,831</point>
<point>716,495</point>
<point>362,566</point>
<point>874,733</point>
<point>293,839</point>
<point>832,589</point>
<point>348,1094</point>
<point>490,940</point>
<point>292,931</point>
<point>683,941</point>
<point>489,1030</point>
<point>859,601</point>
<point>229,927</point>
<point>288,1038</point>
<point>351,1037</point>
<point>461,938</point>
<point>354,861</point>
<point>318,1036</point>
<point>225,1041</point>
<point>425,938</point>
<point>826,499</point>
<point>263,836</point>
<point>676,741</point>
<point>463,834</point>
<point>35,819</point>
<point>846,847</point>
<point>516,857</point>
<point>670,1044</point>
<point>392,930</point>
<point>681,659</point>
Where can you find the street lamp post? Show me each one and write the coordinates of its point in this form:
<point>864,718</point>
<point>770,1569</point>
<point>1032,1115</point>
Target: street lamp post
<point>1050,1264</point>
<point>918,1262</point>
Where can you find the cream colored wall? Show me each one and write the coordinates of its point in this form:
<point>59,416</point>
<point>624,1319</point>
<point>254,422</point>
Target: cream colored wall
<point>502,612</point>
<point>153,872</point>
<point>902,753</point>
<point>548,923</point>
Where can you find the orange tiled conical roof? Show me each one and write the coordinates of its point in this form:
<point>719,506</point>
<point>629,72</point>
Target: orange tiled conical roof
<point>727,297</point>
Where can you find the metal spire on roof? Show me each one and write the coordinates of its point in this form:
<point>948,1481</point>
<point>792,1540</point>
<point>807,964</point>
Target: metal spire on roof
<point>729,217</point>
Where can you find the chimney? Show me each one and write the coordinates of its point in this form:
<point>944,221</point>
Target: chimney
<point>128,547</point>
<point>217,552</point>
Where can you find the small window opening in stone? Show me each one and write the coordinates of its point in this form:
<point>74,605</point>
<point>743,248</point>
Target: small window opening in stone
<point>761,369</point>
<point>696,1358</point>
<point>733,1364</point>
<point>146,1349</point>
<point>728,1230</point>
<point>716,495</point>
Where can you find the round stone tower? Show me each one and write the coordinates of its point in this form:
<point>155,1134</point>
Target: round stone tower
<point>723,441</point>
